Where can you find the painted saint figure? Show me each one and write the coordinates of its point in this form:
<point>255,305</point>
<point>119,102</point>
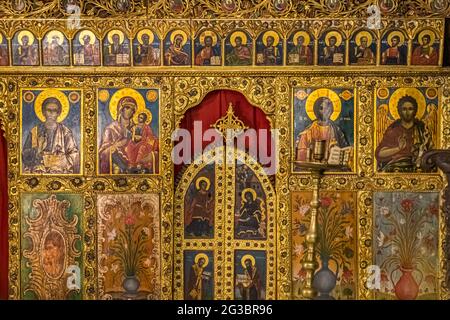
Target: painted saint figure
<point>405,141</point>
<point>395,54</point>
<point>87,51</point>
<point>322,129</point>
<point>425,53</point>
<point>55,49</point>
<point>50,146</point>
<point>4,55</point>
<point>333,53</point>
<point>362,53</point>
<point>53,254</point>
<point>200,213</point>
<point>198,278</point>
<point>113,157</point>
<point>250,287</point>
<point>240,54</point>
<point>271,55</point>
<point>175,54</point>
<point>142,149</point>
<point>26,53</point>
<point>251,218</point>
<point>209,54</point>
<point>145,54</point>
<point>301,53</point>
<point>116,50</point>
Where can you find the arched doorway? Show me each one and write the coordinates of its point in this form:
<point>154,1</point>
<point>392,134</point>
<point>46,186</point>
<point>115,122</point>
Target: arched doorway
<point>225,208</point>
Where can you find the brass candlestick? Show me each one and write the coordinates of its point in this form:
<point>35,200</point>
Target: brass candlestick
<point>309,263</point>
<point>317,169</point>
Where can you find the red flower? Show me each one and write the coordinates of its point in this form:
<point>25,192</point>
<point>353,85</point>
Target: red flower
<point>434,210</point>
<point>326,202</point>
<point>130,220</point>
<point>302,274</point>
<point>347,275</point>
<point>384,277</point>
<point>407,205</point>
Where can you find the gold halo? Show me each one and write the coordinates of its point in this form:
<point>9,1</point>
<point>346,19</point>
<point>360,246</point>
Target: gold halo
<point>204,256</point>
<point>52,93</point>
<point>60,36</point>
<point>147,112</point>
<point>383,93</point>
<point>424,33</point>
<point>396,33</point>
<point>247,257</point>
<point>274,35</point>
<point>366,34</point>
<point>197,183</point>
<point>176,33</point>
<point>319,93</point>
<point>206,33</point>
<point>119,33</point>
<point>89,33</point>
<point>151,36</point>
<point>151,95</point>
<point>125,92</point>
<point>103,95</point>
<point>336,34</point>
<point>31,96</point>
<point>74,97</point>
<point>245,191</point>
<point>25,33</point>
<point>239,34</point>
<point>412,92</point>
<point>305,35</point>
<point>431,93</point>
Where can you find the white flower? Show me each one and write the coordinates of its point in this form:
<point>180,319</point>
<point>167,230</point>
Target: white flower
<point>384,211</point>
<point>146,230</point>
<point>419,235</point>
<point>349,232</point>
<point>118,214</point>
<point>299,250</point>
<point>112,235</point>
<point>394,250</point>
<point>115,267</point>
<point>303,210</point>
<point>147,262</point>
<point>381,239</point>
<point>423,250</point>
<point>402,221</point>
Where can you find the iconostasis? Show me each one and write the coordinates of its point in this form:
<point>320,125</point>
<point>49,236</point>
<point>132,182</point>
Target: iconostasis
<point>98,208</point>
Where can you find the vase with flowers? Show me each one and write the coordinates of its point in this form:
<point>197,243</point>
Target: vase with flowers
<point>405,232</point>
<point>128,249</point>
<point>335,242</point>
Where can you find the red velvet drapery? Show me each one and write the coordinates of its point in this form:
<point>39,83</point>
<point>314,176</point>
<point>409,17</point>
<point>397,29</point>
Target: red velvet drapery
<point>215,105</point>
<point>3,219</point>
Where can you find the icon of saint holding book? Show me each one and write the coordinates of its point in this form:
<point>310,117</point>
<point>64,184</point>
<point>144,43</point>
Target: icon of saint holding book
<point>323,107</point>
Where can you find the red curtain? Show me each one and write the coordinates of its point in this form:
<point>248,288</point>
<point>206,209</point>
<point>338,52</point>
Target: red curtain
<point>215,105</point>
<point>3,219</point>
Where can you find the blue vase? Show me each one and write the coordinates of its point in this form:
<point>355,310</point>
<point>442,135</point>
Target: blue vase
<point>131,284</point>
<point>324,281</point>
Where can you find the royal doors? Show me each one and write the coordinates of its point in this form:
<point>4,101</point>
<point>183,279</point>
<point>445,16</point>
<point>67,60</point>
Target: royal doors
<point>225,229</point>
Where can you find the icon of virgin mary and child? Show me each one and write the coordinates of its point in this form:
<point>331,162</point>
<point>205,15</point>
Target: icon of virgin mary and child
<point>128,144</point>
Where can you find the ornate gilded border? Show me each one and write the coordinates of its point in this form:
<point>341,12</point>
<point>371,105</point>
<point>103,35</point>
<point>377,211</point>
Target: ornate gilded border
<point>271,91</point>
<point>223,27</point>
<point>88,184</point>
